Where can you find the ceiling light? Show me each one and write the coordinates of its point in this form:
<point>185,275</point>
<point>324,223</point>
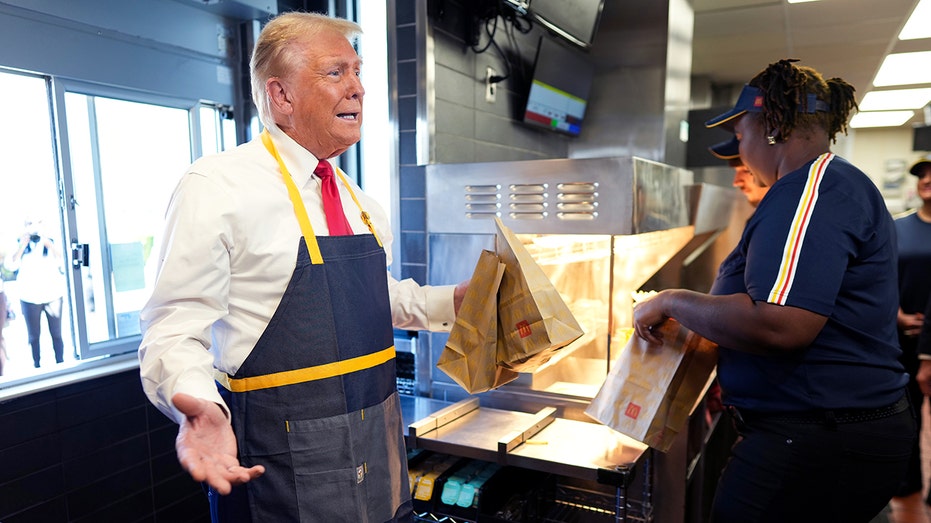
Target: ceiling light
<point>896,99</point>
<point>904,69</point>
<point>880,119</point>
<point>917,25</point>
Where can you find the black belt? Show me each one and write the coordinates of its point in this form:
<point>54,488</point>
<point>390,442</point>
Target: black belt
<point>827,417</point>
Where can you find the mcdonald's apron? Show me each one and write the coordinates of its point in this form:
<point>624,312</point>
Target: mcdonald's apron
<point>316,400</point>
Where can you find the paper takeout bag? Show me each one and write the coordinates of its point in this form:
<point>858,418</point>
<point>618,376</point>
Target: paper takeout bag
<point>470,354</point>
<point>534,322</point>
<point>651,390</point>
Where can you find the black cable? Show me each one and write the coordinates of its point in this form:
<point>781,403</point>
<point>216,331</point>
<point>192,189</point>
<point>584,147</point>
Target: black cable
<point>513,20</point>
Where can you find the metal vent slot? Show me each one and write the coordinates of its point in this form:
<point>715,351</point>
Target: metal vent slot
<point>576,216</point>
<point>572,187</point>
<point>578,187</point>
<point>577,206</point>
<point>485,189</point>
<point>481,215</point>
<point>528,187</point>
<point>522,198</point>
<point>482,207</point>
<point>577,197</point>
<point>482,198</point>
<point>527,207</point>
<point>527,215</point>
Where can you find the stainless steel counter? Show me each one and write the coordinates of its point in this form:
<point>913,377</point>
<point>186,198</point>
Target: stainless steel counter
<point>537,441</point>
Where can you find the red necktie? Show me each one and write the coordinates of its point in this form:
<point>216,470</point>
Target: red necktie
<point>332,207</point>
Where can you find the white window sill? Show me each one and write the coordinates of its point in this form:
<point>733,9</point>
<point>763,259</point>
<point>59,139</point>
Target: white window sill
<point>76,373</point>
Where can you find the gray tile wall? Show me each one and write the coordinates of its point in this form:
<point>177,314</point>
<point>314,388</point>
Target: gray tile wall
<point>467,128</point>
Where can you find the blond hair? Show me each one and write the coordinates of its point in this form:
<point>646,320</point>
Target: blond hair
<point>277,50</point>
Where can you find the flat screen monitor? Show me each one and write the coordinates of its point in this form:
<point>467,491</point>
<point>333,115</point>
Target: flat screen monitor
<point>921,141</point>
<point>562,81</point>
<point>574,20</point>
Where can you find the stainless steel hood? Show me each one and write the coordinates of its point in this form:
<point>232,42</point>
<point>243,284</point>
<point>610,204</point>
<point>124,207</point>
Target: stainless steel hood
<point>600,228</point>
<point>616,196</point>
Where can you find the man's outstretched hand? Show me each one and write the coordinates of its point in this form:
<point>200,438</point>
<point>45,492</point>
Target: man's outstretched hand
<point>206,445</point>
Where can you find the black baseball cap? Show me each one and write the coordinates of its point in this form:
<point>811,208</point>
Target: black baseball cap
<point>917,167</point>
<point>751,100</point>
<point>726,150</point>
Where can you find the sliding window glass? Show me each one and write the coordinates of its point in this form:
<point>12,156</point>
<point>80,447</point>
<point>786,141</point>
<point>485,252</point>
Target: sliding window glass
<point>35,330</point>
<point>126,158</point>
<point>87,172</point>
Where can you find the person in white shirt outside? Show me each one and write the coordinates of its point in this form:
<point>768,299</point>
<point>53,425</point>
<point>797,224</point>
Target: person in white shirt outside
<point>40,285</point>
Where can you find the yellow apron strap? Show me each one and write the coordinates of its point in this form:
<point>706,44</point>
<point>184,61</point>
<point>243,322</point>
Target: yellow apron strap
<point>317,372</point>
<point>365,216</point>
<point>299,210</point>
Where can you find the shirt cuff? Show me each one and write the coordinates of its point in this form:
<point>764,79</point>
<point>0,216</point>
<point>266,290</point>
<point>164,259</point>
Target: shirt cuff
<point>441,314</point>
<point>206,390</point>
<point>924,357</point>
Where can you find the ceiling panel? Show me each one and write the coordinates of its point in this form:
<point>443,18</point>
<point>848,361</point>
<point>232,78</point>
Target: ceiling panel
<point>735,39</point>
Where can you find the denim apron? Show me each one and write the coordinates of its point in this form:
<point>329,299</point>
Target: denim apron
<point>316,400</point>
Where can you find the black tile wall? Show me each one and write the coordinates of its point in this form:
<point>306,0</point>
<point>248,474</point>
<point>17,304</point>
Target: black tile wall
<point>52,510</point>
<point>407,78</point>
<point>407,143</point>
<point>413,182</point>
<point>407,43</point>
<point>407,113</point>
<point>416,272</point>
<point>93,451</point>
<point>413,216</point>
<point>415,246</point>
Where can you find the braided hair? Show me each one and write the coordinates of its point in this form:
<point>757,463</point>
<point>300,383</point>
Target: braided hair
<point>785,89</point>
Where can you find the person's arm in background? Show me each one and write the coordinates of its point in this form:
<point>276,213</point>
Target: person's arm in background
<point>2,323</point>
<point>924,353</point>
<point>12,263</point>
<point>909,324</point>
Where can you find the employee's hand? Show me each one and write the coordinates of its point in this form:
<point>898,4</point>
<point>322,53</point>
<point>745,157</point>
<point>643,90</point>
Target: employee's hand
<point>910,324</point>
<point>924,377</point>
<point>206,445</point>
<point>459,294</point>
<point>648,316</point>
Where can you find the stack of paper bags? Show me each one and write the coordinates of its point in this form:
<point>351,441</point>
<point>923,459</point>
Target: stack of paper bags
<point>470,355</point>
<point>512,319</point>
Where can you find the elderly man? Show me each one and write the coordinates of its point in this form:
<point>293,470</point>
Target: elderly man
<point>273,281</point>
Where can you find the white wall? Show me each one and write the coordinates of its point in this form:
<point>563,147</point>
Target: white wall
<point>885,154</point>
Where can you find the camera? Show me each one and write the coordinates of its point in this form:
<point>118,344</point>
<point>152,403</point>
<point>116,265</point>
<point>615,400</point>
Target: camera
<point>34,238</point>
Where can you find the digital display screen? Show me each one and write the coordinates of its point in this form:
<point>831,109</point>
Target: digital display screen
<point>552,107</point>
<point>558,94</point>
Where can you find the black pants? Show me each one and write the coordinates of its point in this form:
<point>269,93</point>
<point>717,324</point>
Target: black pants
<point>32,313</point>
<point>783,470</point>
<point>912,482</point>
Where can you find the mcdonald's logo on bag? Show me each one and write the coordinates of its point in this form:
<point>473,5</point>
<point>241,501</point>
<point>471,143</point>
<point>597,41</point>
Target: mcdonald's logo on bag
<point>523,328</point>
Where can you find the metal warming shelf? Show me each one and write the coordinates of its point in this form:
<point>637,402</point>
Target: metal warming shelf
<point>538,441</point>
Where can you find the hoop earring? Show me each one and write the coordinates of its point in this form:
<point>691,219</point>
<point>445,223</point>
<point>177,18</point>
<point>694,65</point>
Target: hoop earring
<point>771,140</point>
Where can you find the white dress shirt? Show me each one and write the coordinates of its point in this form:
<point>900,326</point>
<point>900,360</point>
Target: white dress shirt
<point>229,250</point>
